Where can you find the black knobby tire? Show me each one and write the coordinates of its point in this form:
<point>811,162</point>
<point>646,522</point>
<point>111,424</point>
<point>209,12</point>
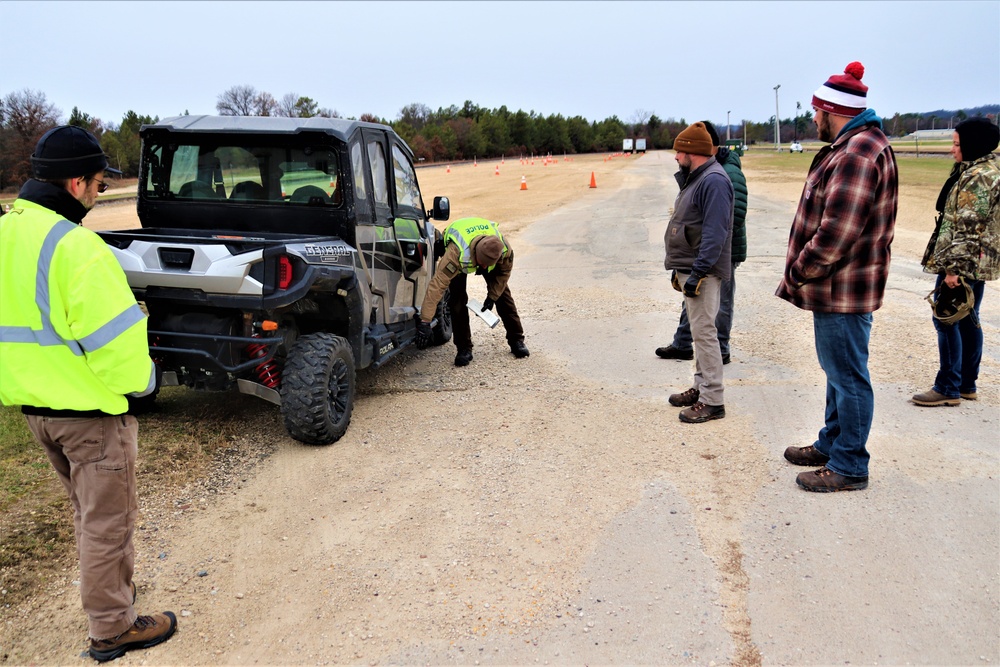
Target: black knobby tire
<point>317,389</point>
<point>442,330</point>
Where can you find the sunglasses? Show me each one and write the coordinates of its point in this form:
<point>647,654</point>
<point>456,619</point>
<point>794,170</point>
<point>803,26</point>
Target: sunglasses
<point>101,185</point>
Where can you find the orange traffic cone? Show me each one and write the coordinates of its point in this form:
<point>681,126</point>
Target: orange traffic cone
<point>448,170</point>
<point>497,172</point>
<point>524,183</point>
<point>593,182</point>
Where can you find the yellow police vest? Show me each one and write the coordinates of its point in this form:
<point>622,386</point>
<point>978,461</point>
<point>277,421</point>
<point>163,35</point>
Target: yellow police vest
<point>461,232</point>
<point>72,336</point>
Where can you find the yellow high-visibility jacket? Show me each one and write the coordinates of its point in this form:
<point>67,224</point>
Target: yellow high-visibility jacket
<point>462,232</point>
<point>72,336</point>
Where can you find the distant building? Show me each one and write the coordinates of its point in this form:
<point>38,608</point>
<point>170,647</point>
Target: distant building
<point>931,134</point>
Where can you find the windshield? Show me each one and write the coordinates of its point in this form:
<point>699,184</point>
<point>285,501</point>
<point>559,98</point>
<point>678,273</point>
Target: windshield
<point>238,172</point>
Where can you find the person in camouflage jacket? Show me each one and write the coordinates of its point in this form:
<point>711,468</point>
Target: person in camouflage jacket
<point>965,246</point>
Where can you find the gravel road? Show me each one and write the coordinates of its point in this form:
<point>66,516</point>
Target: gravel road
<point>553,510</point>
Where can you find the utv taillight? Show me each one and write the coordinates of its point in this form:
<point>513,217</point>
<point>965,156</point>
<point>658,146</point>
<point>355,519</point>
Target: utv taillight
<point>284,272</point>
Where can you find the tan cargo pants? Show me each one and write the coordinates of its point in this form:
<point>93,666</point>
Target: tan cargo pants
<point>95,461</point>
<point>701,312</point>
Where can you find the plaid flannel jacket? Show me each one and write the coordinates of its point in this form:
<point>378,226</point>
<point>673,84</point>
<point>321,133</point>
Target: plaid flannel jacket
<point>838,247</point>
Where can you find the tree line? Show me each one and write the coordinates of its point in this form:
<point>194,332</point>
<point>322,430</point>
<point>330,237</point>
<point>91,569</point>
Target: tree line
<point>447,134</point>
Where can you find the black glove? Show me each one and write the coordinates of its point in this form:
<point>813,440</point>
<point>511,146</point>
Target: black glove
<point>676,284</point>
<point>692,287</point>
<point>487,305</point>
<point>424,334</point>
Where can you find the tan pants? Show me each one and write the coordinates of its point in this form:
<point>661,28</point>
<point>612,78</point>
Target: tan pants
<point>95,461</point>
<point>702,311</point>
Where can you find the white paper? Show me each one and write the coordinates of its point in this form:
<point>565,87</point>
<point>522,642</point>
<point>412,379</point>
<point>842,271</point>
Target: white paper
<point>487,316</point>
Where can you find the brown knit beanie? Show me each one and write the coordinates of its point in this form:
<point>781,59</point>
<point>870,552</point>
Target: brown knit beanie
<point>695,140</point>
<point>488,250</point>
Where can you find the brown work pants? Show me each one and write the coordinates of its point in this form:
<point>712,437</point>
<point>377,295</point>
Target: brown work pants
<point>95,461</point>
<point>462,329</point>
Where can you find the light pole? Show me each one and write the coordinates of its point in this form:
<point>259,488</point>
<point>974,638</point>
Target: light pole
<point>727,125</point>
<point>777,126</point>
<point>795,127</point>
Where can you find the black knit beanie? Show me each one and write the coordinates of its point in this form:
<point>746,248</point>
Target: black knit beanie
<point>68,152</point>
<point>977,137</point>
<point>712,132</point>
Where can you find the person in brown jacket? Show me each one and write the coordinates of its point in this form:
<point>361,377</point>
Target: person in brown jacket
<point>472,245</point>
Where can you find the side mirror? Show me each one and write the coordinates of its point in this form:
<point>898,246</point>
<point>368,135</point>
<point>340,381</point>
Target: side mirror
<point>442,209</point>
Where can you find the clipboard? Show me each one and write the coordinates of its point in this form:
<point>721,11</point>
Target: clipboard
<point>487,316</point>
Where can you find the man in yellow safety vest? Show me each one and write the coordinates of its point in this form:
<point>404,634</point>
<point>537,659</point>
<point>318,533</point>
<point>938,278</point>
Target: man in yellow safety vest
<point>72,348</point>
<point>472,245</point>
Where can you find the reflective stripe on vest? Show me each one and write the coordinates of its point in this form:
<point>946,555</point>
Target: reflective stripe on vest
<point>47,335</point>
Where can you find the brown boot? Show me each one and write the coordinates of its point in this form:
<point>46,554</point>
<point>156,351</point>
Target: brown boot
<point>825,480</point>
<point>932,399</point>
<point>700,413</point>
<point>685,398</point>
<point>806,456</point>
<point>147,631</point>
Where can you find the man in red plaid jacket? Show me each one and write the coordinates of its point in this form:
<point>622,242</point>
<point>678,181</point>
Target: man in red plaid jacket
<point>837,266</point>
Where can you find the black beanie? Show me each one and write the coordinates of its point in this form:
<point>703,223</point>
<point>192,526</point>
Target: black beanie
<point>977,137</point>
<point>711,132</point>
<point>68,151</point>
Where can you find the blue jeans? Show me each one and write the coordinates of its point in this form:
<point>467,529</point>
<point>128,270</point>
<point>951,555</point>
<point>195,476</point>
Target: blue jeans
<point>842,348</point>
<point>723,321</point>
<point>960,348</point>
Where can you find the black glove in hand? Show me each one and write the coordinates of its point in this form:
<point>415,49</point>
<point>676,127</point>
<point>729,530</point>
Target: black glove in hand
<point>692,287</point>
<point>674,282</point>
<point>487,305</point>
<point>424,334</point>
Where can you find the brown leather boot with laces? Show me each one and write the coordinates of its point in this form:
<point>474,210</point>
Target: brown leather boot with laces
<point>806,456</point>
<point>685,398</point>
<point>700,413</point>
<point>825,480</point>
<point>147,631</point>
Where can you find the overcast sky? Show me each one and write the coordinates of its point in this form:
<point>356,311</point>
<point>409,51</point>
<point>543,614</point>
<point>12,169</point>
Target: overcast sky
<point>681,60</point>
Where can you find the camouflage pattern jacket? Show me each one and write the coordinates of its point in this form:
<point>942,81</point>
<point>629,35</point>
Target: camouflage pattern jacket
<point>966,239</point>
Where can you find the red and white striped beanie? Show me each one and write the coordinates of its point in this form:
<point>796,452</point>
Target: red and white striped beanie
<point>843,94</point>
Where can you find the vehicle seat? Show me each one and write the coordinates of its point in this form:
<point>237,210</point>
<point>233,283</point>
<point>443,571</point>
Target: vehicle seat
<point>307,194</point>
<point>197,190</point>
<point>245,190</point>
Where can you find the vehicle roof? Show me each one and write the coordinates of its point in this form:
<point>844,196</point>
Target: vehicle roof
<point>337,127</point>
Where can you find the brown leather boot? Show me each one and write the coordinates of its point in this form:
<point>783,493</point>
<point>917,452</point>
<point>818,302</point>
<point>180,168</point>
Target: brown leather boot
<point>806,456</point>
<point>147,631</point>
<point>685,398</point>
<point>825,480</point>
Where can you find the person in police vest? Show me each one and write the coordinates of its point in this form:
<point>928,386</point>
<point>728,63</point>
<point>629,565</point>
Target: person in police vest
<point>472,245</point>
<point>72,348</point>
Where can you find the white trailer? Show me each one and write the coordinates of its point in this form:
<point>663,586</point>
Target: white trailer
<point>626,146</point>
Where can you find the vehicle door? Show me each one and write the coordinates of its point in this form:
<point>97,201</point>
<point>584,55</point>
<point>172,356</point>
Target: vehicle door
<point>377,242</point>
<point>410,226</point>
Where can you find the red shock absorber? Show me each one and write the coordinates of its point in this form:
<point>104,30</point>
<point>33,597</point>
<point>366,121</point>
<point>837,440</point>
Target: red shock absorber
<point>267,372</point>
